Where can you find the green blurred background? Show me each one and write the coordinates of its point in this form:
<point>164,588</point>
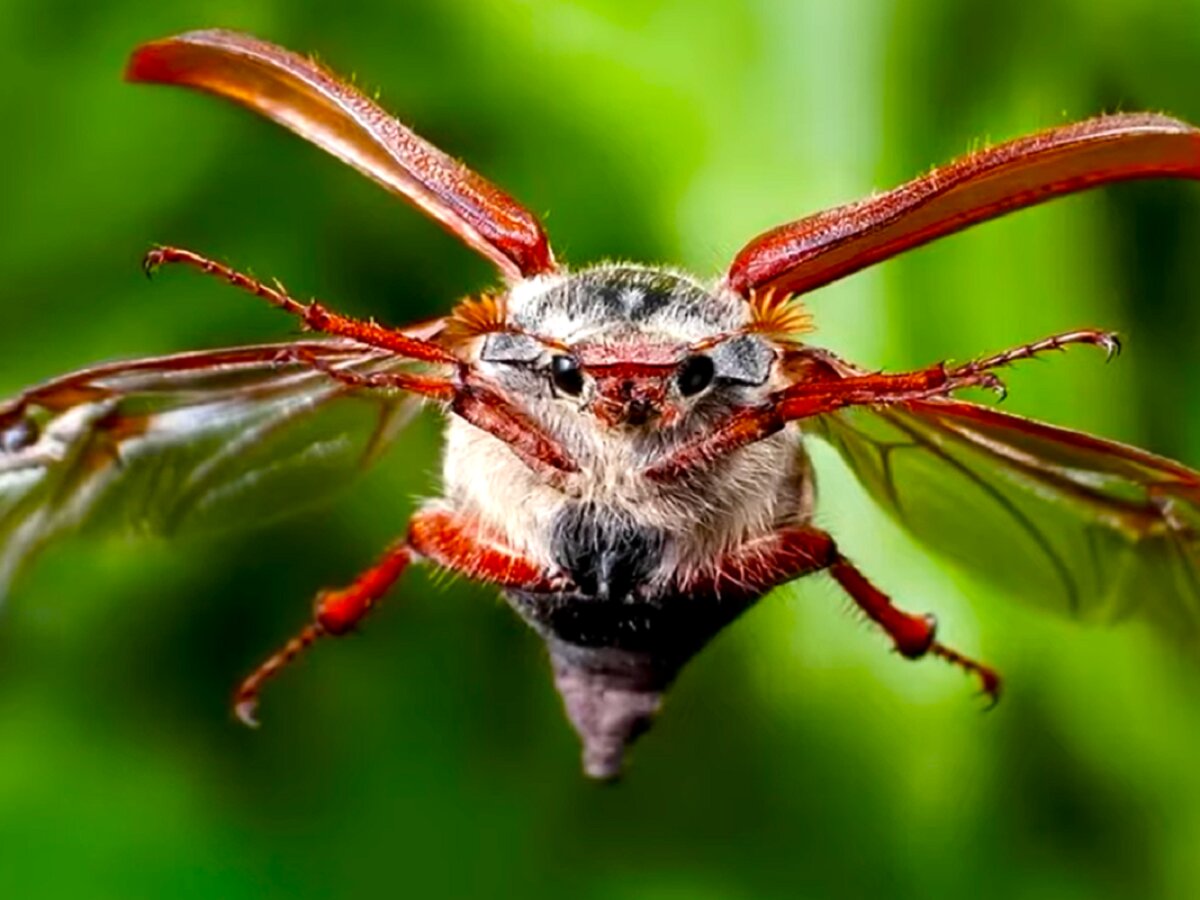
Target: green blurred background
<point>797,757</point>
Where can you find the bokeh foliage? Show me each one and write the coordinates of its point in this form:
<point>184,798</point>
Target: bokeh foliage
<point>429,757</point>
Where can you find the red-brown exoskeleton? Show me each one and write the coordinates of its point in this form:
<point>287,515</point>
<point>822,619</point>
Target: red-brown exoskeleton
<point>624,444</point>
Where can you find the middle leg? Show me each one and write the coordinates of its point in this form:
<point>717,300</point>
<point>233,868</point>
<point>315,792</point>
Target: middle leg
<point>336,612</point>
<point>448,539</point>
<point>795,551</point>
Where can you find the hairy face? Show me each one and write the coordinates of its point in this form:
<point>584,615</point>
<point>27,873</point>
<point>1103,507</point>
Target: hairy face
<point>624,347</point>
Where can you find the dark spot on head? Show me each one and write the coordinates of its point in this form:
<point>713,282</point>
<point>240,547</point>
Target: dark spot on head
<point>631,295</point>
<point>634,301</point>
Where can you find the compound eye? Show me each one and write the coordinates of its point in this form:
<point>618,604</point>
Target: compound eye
<point>566,374</point>
<point>695,374</point>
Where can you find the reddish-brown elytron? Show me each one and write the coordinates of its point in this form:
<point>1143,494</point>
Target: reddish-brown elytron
<point>624,444</point>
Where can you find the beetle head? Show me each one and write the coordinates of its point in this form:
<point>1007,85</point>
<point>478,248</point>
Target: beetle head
<point>629,347</point>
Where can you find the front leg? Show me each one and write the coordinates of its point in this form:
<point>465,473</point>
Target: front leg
<point>827,390</point>
<point>790,553</point>
<point>314,316</point>
<point>751,424</point>
<point>471,398</point>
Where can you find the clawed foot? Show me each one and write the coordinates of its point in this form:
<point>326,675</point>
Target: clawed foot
<point>969,376</point>
<point>246,710</point>
<point>1108,341</point>
<point>245,700</point>
<point>989,679</point>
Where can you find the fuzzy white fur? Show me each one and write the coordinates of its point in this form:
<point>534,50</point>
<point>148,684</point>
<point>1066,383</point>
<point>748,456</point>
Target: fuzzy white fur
<point>743,496</point>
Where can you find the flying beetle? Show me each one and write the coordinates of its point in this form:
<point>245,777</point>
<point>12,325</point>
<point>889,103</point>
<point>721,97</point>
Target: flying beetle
<point>624,444</point>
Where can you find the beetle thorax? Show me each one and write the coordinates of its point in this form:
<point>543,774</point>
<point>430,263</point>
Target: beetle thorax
<point>628,322</point>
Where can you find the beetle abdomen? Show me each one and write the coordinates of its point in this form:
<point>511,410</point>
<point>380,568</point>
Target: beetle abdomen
<point>613,658</point>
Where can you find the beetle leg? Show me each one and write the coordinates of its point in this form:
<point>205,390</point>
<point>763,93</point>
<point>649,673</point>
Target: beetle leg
<point>914,636</point>
<point>443,537</point>
<point>829,391</point>
<point>762,564</point>
<point>455,542</point>
<point>337,611</point>
<point>812,398</point>
<point>1108,341</point>
<point>315,316</point>
<point>758,566</point>
<point>472,399</point>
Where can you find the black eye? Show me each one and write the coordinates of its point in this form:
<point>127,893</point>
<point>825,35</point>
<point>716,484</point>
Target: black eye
<point>695,374</point>
<point>566,374</point>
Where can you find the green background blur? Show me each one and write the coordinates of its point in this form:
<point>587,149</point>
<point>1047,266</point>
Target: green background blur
<point>797,757</point>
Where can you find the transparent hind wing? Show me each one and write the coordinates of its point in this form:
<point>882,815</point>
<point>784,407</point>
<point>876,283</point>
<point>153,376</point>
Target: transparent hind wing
<point>193,441</point>
<point>1089,527</point>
